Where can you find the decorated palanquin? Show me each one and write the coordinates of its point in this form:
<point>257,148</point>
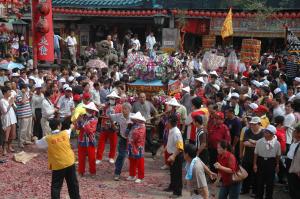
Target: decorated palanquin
<point>154,87</point>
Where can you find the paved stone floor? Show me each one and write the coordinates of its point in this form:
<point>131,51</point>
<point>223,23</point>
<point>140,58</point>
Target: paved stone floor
<point>32,181</point>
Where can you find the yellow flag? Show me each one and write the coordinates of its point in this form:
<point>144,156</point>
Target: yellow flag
<point>227,29</point>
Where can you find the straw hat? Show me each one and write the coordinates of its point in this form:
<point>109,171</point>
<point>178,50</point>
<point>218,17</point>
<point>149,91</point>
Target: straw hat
<point>91,106</point>
<point>187,89</point>
<point>173,102</point>
<point>200,79</point>
<point>138,116</point>
<point>113,95</point>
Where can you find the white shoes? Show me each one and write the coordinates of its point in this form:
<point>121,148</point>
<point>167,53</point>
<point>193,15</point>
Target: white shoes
<point>138,181</point>
<point>165,167</point>
<point>131,178</point>
<point>111,161</point>
<point>98,161</point>
<point>117,178</point>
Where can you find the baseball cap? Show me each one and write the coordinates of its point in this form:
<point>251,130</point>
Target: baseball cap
<point>255,120</point>
<point>271,129</point>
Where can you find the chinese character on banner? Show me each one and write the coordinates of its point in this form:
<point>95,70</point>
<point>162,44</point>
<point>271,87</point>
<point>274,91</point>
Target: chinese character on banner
<point>43,50</point>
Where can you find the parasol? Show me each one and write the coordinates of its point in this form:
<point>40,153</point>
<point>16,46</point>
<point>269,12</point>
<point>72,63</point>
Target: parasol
<point>96,63</point>
<point>11,65</point>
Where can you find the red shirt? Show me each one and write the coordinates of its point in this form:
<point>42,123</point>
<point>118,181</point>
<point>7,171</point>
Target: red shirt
<point>280,133</point>
<point>200,93</point>
<point>227,160</point>
<point>216,134</point>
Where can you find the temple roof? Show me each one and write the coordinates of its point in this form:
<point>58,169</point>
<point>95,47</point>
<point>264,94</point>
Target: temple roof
<point>98,3</point>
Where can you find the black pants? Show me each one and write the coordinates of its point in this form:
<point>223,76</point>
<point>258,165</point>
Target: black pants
<point>37,128</point>
<point>213,154</point>
<point>293,182</point>
<point>251,179</point>
<point>176,175</point>
<point>58,177</point>
<point>265,176</point>
<point>150,145</point>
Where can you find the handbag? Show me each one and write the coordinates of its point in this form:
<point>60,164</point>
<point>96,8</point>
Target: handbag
<point>239,175</point>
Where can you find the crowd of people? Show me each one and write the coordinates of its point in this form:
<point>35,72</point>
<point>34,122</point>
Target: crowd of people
<point>218,123</point>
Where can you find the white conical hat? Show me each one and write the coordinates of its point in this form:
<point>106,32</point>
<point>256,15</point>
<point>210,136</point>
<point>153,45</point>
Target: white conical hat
<point>214,73</point>
<point>173,102</point>
<point>138,116</point>
<point>187,89</point>
<point>91,106</point>
<point>200,79</point>
<point>204,73</point>
<point>113,95</point>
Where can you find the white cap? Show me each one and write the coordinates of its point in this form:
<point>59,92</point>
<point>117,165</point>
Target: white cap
<point>255,120</point>
<point>65,86</point>
<point>173,102</point>
<point>271,129</point>
<point>187,89</point>
<point>270,57</point>
<point>91,106</point>
<point>216,86</point>
<point>292,98</point>
<point>138,116</point>
<point>214,73</point>
<point>70,79</point>
<point>246,96</point>
<point>297,79</point>
<point>15,75</point>
<point>62,80</point>
<point>68,89</point>
<point>266,72</point>
<point>31,77</point>
<point>113,95</point>
<point>277,90</point>
<point>253,106</point>
<point>38,85</point>
<point>236,95</point>
<point>200,79</point>
<point>204,73</point>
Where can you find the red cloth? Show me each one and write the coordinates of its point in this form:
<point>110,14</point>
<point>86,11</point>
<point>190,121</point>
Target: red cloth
<point>105,122</point>
<point>216,134</point>
<point>227,160</point>
<point>137,164</point>
<point>201,93</point>
<point>281,137</point>
<point>197,26</point>
<point>55,97</point>
<point>113,139</point>
<point>82,153</point>
<point>136,141</point>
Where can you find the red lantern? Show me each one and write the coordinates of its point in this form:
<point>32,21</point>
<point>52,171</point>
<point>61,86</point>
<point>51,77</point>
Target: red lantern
<point>197,13</point>
<point>149,12</point>
<point>202,13</point>
<point>213,14</point>
<point>207,14</point>
<point>42,26</point>
<point>43,8</point>
<point>118,13</point>
<point>122,13</point>
<point>164,12</point>
<point>243,15</point>
<point>293,15</point>
<point>174,12</point>
<point>286,15</point>
<point>138,12</point>
<point>133,13</point>
<point>85,12</point>
<point>298,15</point>
<point>109,12</point>
<point>144,13</point>
<point>191,13</point>
<point>237,15</point>
<point>63,10</point>
<point>224,14</point>
<point>153,12</point>
<point>248,15</point>
<point>90,12</point>
<point>219,14</point>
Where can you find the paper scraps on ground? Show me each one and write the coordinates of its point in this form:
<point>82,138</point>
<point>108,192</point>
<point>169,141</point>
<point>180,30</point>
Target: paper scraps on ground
<point>24,157</point>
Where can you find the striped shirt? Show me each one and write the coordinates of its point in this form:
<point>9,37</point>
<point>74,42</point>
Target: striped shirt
<point>291,69</point>
<point>24,109</point>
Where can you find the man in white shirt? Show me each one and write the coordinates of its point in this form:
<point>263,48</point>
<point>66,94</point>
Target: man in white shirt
<point>66,104</point>
<point>135,40</point>
<point>108,38</point>
<point>72,46</point>
<point>150,41</point>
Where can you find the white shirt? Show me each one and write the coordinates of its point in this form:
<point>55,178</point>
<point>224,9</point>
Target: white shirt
<point>47,109</point>
<point>280,110</point>
<point>173,138</point>
<point>289,122</point>
<point>137,43</point>
<point>8,116</point>
<point>43,144</point>
<point>65,106</point>
<point>36,102</point>
<point>291,152</point>
<point>71,41</point>
<point>96,96</point>
<point>150,41</point>
<point>39,80</point>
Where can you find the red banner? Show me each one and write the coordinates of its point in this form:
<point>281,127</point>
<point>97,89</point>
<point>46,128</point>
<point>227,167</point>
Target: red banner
<point>42,30</point>
<point>197,26</point>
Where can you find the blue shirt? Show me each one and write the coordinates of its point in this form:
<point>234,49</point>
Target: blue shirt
<point>56,41</point>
